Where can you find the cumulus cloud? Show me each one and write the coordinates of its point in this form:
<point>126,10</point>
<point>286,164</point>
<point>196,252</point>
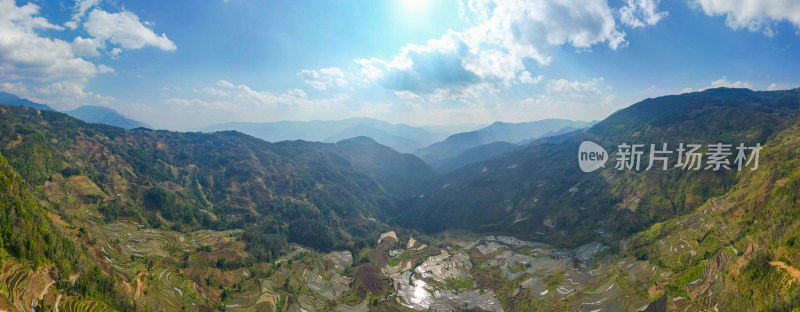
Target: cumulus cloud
<point>531,28</point>
<point>87,46</point>
<point>324,78</point>
<point>243,94</point>
<point>216,92</point>
<point>780,86</point>
<point>124,29</point>
<point>79,10</point>
<point>223,83</point>
<point>19,89</point>
<point>26,54</point>
<point>721,83</point>
<point>526,77</point>
<point>71,93</point>
<point>423,69</point>
<point>640,13</point>
<point>754,15</point>
<point>490,55</point>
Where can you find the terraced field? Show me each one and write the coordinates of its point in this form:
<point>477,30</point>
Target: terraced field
<point>23,288</point>
<point>151,261</point>
<point>168,271</point>
<point>14,281</point>
<point>75,305</point>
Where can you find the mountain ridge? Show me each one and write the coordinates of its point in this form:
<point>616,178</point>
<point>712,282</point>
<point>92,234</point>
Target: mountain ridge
<point>398,136</point>
<point>457,143</point>
<point>104,115</point>
<point>511,188</point>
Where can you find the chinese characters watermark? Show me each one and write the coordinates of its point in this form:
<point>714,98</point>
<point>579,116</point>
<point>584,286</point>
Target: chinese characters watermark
<point>717,156</point>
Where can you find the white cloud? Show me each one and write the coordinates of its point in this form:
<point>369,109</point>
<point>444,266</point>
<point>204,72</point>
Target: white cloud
<point>239,102</point>
<point>72,88</point>
<point>490,55</point>
<point>324,78</point>
<point>439,64</point>
<point>530,29</point>
<point>216,92</point>
<point>79,10</point>
<point>781,86</point>
<point>25,54</point>
<point>721,83</point>
<point>242,94</point>
<point>639,13</point>
<point>70,93</point>
<point>574,88</point>
<point>87,47</point>
<point>125,29</point>
<point>225,84</point>
<point>298,93</point>
<point>754,15</point>
<point>195,103</point>
<point>526,77</point>
<point>408,96</point>
<point>17,88</point>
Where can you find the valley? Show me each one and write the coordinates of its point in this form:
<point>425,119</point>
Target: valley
<point>151,220</point>
<point>399,156</point>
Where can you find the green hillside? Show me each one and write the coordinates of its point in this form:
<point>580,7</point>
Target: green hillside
<point>540,189</point>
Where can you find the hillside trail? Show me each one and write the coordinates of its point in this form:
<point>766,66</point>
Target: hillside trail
<point>46,288</point>
<point>792,270</point>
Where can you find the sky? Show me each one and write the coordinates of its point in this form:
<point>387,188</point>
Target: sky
<point>182,65</point>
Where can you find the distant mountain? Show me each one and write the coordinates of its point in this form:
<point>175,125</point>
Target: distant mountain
<point>539,192</point>
<point>104,115</point>
<point>558,136</point>
<point>498,131</point>
<point>517,132</point>
<point>10,99</point>
<point>453,129</point>
<point>400,137</point>
<point>87,113</point>
<point>400,174</point>
<point>398,143</point>
<point>475,154</point>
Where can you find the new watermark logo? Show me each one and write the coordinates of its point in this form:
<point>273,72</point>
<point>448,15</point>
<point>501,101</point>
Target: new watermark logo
<point>591,156</point>
<point>717,156</point>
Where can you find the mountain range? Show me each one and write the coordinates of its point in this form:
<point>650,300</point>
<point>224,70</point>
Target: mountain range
<point>402,138</point>
<point>87,113</point>
<point>171,219</point>
<point>104,115</point>
<point>10,99</point>
<point>442,152</point>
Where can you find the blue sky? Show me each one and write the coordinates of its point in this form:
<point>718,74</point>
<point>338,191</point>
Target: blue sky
<point>185,64</point>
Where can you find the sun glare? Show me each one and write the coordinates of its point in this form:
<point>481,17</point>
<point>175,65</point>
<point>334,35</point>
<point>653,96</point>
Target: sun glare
<point>415,5</point>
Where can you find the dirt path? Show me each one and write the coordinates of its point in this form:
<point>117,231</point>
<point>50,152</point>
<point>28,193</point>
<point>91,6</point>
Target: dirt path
<point>138,292</point>
<point>683,239</point>
<point>792,271</point>
<point>55,305</point>
<point>44,292</point>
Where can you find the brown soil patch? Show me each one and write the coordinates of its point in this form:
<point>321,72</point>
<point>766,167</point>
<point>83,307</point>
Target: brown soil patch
<point>367,279</point>
<point>790,269</point>
<point>742,261</point>
<point>655,290</point>
<point>57,219</point>
<point>172,186</point>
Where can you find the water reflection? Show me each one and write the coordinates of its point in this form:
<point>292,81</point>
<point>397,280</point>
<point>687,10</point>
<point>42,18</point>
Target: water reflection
<point>420,295</point>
